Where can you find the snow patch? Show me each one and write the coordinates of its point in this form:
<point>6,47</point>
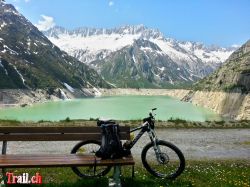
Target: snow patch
<point>168,48</point>
<point>41,42</point>
<point>145,49</point>
<point>192,74</point>
<point>183,78</point>
<point>190,78</point>
<point>93,44</point>
<point>1,65</point>
<point>12,11</point>
<point>28,62</point>
<point>162,69</point>
<point>171,81</point>
<point>3,51</point>
<point>10,50</point>
<point>63,95</point>
<point>72,90</point>
<point>111,84</point>
<point>28,43</point>
<point>21,76</point>
<point>3,25</point>
<point>134,58</point>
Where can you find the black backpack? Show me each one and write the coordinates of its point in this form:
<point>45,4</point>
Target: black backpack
<point>111,146</point>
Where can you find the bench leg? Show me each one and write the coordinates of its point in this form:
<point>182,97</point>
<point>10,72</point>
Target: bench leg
<point>4,149</point>
<point>133,172</point>
<point>115,181</point>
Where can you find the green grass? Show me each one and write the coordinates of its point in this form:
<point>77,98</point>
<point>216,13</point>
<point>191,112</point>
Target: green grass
<point>245,143</point>
<point>197,173</point>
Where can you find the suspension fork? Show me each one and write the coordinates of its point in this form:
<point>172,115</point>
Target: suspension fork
<point>154,140</point>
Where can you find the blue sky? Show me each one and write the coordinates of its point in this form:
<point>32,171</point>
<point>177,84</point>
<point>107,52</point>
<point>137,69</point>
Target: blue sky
<point>221,22</point>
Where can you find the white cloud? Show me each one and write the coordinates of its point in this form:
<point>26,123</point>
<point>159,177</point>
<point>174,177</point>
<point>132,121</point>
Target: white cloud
<point>111,3</point>
<point>46,23</point>
<point>26,1</point>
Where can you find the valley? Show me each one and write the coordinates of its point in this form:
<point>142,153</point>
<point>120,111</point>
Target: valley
<point>36,67</point>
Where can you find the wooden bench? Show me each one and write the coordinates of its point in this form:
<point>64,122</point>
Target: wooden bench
<point>58,160</point>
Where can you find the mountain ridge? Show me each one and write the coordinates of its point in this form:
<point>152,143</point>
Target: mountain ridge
<point>91,45</point>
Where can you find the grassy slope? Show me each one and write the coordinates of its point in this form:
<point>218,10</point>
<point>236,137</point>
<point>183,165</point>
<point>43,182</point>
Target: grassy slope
<point>197,173</point>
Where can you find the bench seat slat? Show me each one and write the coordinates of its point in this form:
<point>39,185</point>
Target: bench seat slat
<point>59,160</point>
<point>56,137</point>
<point>55,129</point>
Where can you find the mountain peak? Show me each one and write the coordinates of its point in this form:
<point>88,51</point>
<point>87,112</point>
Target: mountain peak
<point>136,30</point>
<point>8,8</point>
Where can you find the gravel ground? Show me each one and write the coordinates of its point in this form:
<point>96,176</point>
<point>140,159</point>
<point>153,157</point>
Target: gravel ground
<point>196,144</point>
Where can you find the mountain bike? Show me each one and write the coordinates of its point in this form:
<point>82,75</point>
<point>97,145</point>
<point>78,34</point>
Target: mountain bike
<point>160,158</point>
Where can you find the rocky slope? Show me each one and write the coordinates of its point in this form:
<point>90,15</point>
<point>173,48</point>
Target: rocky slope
<point>28,60</point>
<point>227,90</point>
<point>233,76</point>
<point>177,93</point>
<point>24,97</point>
<point>143,65</point>
<point>144,56</point>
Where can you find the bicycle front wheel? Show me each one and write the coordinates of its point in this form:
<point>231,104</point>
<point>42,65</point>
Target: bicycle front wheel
<point>169,163</point>
<point>89,148</point>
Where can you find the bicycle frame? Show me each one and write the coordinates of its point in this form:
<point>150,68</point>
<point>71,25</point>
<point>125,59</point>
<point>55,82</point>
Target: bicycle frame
<point>145,127</point>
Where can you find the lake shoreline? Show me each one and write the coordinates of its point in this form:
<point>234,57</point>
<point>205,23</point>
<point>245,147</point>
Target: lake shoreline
<point>171,124</point>
<point>176,93</point>
<point>127,107</point>
<point>26,97</point>
<point>230,105</point>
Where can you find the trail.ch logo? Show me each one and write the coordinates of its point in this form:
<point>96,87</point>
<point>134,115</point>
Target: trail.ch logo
<point>11,178</point>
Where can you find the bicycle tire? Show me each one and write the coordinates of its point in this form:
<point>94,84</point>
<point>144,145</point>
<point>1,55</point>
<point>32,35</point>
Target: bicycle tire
<point>150,167</point>
<point>78,170</point>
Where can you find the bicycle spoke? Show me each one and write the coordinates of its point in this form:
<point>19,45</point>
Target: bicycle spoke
<point>89,148</point>
<point>169,163</point>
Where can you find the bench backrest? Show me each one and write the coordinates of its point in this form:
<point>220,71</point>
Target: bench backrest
<point>56,133</point>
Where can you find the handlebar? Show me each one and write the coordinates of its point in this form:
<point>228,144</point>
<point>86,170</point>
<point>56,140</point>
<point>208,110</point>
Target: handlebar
<point>151,114</point>
<point>150,119</point>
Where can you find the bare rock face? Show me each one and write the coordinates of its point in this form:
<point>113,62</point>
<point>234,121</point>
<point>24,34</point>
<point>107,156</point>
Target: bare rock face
<point>244,112</point>
<point>227,90</point>
<point>230,105</point>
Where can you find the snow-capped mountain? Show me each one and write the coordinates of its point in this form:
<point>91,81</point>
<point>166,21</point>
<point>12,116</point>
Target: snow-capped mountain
<point>93,46</point>
<point>143,64</point>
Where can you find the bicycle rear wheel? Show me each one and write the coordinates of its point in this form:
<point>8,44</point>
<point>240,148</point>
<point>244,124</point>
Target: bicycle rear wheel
<point>89,148</point>
<point>170,164</point>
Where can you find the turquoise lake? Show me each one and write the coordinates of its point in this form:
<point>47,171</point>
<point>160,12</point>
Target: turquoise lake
<point>114,107</point>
